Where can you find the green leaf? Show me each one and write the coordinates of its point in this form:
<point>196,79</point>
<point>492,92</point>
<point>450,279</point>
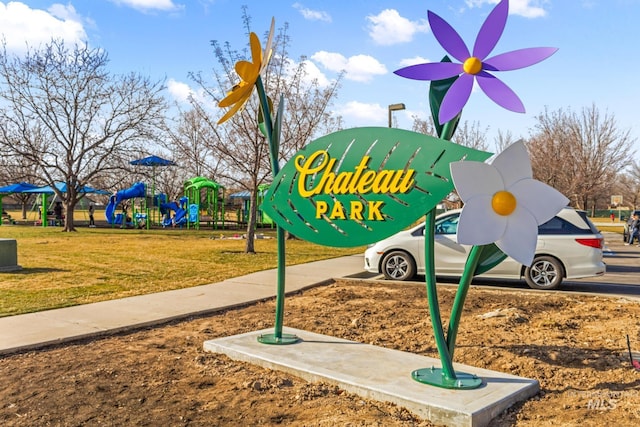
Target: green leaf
<point>277,127</point>
<point>490,257</point>
<point>362,208</point>
<point>437,90</point>
<point>261,118</point>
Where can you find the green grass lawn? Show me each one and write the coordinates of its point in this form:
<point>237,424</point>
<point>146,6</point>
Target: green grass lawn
<point>97,264</point>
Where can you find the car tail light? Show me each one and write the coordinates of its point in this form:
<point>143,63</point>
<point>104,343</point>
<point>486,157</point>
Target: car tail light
<point>593,243</point>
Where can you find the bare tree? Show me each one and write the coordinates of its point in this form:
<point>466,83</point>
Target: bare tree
<point>503,140</point>
<point>423,126</point>
<point>190,143</point>
<point>629,186</point>
<point>64,112</point>
<point>466,134</point>
<point>241,148</point>
<point>471,135</point>
<point>579,154</point>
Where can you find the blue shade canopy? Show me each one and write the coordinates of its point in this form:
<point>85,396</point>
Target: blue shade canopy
<point>62,187</point>
<point>19,187</point>
<point>152,161</point>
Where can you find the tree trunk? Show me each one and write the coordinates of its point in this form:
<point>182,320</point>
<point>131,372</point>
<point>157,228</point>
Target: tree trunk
<point>68,218</point>
<point>251,224</point>
<point>24,209</point>
<point>69,202</point>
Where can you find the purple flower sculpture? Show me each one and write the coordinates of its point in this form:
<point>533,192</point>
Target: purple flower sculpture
<point>477,66</point>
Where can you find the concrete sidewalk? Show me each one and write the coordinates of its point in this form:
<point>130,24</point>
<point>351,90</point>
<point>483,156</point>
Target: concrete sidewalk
<point>33,330</point>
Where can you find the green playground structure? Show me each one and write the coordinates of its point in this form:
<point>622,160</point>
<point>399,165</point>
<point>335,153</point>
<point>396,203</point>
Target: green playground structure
<point>205,199</point>
<point>242,213</point>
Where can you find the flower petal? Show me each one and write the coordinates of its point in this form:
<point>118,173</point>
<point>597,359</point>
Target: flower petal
<point>465,178</point>
<point>448,38</point>
<point>520,58</point>
<point>478,224</point>
<point>236,107</point>
<point>247,71</point>
<point>538,198</point>
<point>456,98</point>
<point>266,56</point>
<point>499,92</point>
<point>491,30</point>
<point>243,90</point>
<point>430,71</point>
<point>256,49</point>
<point>521,237</point>
<point>513,164</point>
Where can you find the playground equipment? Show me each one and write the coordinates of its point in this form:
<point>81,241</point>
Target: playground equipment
<point>137,190</point>
<point>179,218</point>
<point>47,190</point>
<point>211,203</point>
<point>243,213</point>
<point>11,189</point>
<point>153,162</point>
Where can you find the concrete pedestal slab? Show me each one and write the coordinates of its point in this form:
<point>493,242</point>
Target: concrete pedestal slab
<point>381,374</point>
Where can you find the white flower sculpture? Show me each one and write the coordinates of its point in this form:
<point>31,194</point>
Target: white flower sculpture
<point>503,203</point>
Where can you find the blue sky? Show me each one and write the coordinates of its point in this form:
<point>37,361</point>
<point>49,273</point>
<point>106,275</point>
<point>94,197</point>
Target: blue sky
<point>597,62</point>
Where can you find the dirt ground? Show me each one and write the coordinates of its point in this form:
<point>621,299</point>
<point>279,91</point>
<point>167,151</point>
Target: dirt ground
<point>575,346</point>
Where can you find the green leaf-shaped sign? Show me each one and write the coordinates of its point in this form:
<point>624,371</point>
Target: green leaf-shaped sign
<point>358,186</point>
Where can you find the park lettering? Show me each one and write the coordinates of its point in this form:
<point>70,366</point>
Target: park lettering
<point>361,180</point>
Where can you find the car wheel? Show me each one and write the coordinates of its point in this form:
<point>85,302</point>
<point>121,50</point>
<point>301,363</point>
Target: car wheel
<point>398,265</point>
<point>545,273</point>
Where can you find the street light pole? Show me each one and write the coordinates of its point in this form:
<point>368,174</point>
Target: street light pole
<point>394,107</point>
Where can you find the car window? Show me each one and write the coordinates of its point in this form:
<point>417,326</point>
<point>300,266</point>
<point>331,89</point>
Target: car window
<point>558,225</point>
<point>555,226</point>
<point>448,224</point>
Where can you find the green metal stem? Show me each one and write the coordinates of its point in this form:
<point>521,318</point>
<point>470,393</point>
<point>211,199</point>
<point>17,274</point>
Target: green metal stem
<point>432,296</point>
<point>275,168</point>
<point>430,281</point>
<point>281,282</point>
<point>268,124</point>
<point>461,294</point>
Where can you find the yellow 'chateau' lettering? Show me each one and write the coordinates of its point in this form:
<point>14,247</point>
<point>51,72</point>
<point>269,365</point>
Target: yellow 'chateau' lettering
<point>361,180</point>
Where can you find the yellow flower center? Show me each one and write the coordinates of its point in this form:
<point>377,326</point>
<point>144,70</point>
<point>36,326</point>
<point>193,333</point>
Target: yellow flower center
<point>503,203</point>
<point>472,65</point>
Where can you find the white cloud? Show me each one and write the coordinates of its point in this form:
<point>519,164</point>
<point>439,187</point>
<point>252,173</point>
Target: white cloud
<point>526,8</point>
<point>21,26</point>
<point>179,91</point>
<point>360,68</point>
<point>360,114</point>
<point>312,15</point>
<point>148,5</point>
<point>314,73</point>
<point>388,28</point>
<point>413,61</point>
<point>311,72</point>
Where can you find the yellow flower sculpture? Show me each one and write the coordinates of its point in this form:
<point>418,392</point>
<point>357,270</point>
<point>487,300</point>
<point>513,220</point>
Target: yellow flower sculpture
<point>249,72</point>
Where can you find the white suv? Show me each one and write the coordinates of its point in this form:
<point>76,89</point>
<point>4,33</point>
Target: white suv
<point>569,247</point>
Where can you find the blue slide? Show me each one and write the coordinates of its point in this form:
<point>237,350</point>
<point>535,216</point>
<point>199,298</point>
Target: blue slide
<point>137,190</point>
<point>179,217</point>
